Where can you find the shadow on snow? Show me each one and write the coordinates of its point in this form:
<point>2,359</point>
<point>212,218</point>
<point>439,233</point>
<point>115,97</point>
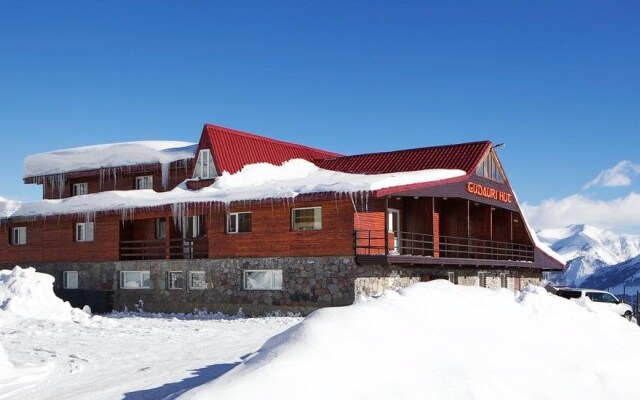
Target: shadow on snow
<point>173,390</point>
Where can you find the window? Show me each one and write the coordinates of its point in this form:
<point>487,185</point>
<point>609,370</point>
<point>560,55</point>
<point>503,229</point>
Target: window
<point>197,280</point>
<point>84,232</point>
<point>482,279</point>
<point>303,219</point>
<point>70,279</point>
<point>135,280</point>
<point>452,277</point>
<point>161,228</point>
<point>144,182</point>
<point>176,280</point>
<point>204,166</point>
<point>192,226</point>
<point>263,280</point>
<point>239,222</point>
<point>489,168</point>
<point>19,235</point>
<point>503,280</point>
<point>80,188</point>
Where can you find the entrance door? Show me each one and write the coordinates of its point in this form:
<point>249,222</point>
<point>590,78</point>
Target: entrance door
<point>394,227</point>
<point>190,230</point>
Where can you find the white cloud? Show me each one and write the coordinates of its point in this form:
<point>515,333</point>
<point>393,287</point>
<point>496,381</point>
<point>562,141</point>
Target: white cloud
<point>620,175</point>
<point>579,209</point>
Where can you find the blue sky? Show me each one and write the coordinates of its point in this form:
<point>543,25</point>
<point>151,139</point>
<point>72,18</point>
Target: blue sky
<point>559,84</point>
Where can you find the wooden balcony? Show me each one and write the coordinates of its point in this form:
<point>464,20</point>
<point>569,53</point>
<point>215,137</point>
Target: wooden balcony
<point>164,249</point>
<point>418,248</point>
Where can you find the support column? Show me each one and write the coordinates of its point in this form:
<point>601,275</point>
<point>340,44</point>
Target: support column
<point>436,227</point>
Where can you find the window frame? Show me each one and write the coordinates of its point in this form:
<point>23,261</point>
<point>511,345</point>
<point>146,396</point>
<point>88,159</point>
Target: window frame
<point>170,281</point>
<point>451,276</point>
<point>65,279</point>
<point>236,216</point>
<point>294,225</point>
<point>204,169</point>
<point>81,232</point>
<point>191,274</point>
<point>141,281</point>
<point>21,238</point>
<point>274,281</point>
<point>503,280</point>
<point>144,180</point>
<point>76,191</point>
<point>161,228</point>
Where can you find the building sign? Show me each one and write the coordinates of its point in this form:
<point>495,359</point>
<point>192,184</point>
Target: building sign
<point>489,193</point>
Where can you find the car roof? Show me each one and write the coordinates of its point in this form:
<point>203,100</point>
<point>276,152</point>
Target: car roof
<point>584,290</point>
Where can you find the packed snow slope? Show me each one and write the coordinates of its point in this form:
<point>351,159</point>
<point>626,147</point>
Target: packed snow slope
<point>436,340</point>
<point>107,156</point>
<point>588,249</point>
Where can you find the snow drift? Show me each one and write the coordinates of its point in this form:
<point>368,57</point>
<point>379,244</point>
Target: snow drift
<point>28,294</point>
<point>440,341</point>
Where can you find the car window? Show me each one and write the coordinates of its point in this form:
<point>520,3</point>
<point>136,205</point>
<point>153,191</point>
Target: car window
<point>595,296</point>
<point>608,298</point>
<point>569,294</point>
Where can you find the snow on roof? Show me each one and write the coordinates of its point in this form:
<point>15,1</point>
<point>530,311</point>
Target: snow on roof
<point>254,182</point>
<point>107,156</point>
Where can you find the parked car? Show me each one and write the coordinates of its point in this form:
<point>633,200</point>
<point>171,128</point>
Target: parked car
<point>600,297</point>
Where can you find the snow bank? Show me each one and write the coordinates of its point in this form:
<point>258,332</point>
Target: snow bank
<point>254,182</point>
<point>107,156</point>
<point>440,341</point>
<point>5,365</point>
<point>28,294</point>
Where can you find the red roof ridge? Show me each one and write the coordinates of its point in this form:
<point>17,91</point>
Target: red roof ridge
<point>270,140</point>
<point>487,142</point>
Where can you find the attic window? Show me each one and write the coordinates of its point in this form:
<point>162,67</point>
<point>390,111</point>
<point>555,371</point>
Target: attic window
<point>489,168</point>
<point>204,166</point>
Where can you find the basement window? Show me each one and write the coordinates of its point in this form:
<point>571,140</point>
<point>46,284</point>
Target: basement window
<point>19,235</point>
<point>239,222</point>
<point>306,219</point>
<point>263,279</point>
<point>197,280</point>
<point>84,232</point>
<point>176,280</point>
<point>452,277</point>
<point>144,182</point>
<point>135,280</point>
<point>70,279</point>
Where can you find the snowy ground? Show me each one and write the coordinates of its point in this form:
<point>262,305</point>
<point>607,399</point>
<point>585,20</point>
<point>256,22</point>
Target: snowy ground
<point>67,355</point>
<point>430,341</point>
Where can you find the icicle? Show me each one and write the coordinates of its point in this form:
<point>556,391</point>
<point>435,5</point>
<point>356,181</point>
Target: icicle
<point>165,175</point>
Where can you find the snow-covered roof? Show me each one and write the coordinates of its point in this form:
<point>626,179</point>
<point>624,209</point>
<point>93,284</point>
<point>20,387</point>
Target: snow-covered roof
<point>107,156</point>
<point>253,182</point>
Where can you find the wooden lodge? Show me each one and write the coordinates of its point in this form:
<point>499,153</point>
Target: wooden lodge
<point>162,232</point>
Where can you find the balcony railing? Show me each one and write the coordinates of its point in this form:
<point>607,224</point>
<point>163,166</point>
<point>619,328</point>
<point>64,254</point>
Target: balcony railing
<point>374,243</point>
<point>164,249</point>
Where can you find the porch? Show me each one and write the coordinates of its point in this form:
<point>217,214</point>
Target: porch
<point>377,246</point>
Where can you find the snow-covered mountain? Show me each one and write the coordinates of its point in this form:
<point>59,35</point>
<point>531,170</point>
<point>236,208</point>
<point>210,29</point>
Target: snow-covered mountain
<point>589,250</point>
<point>619,278</point>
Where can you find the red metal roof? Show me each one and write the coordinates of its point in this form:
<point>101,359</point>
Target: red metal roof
<point>232,149</point>
<point>464,156</point>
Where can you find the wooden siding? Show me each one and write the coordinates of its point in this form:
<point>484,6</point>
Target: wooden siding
<point>271,233</point>
<point>53,240</point>
<point>124,180</point>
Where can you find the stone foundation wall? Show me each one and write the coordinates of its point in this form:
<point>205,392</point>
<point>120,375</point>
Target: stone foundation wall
<point>308,283</point>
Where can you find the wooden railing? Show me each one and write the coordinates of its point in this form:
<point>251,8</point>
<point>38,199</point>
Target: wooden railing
<point>164,249</point>
<point>368,242</point>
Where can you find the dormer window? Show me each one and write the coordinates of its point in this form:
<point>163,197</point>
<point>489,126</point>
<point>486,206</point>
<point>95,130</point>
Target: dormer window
<point>80,189</point>
<point>204,166</point>
<point>489,168</point>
